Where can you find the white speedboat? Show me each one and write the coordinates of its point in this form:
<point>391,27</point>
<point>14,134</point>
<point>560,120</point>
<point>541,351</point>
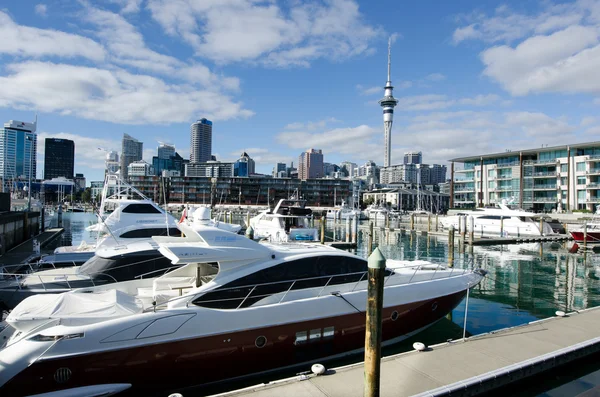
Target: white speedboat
<point>344,212</point>
<point>490,221</point>
<point>234,308</point>
<point>377,213</point>
<point>289,221</point>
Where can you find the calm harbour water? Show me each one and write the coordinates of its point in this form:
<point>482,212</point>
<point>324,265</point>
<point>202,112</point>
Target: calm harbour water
<point>525,282</point>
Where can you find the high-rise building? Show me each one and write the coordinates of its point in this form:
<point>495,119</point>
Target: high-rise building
<point>280,171</point>
<point>438,174</point>
<point>131,151</point>
<point>79,180</point>
<point>165,151</point>
<point>18,147</point>
<point>350,168</point>
<point>388,103</point>
<point>413,158</point>
<point>201,141</point>
<point>244,166</point>
<point>310,164</point>
<point>140,168</point>
<point>59,158</point>
<point>174,165</point>
<point>111,163</point>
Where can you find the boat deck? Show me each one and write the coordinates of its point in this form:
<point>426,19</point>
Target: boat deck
<point>478,365</point>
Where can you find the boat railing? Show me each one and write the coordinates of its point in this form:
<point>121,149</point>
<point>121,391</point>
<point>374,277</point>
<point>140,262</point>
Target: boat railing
<point>56,279</point>
<point>285,287</point>
<point>164,271</point>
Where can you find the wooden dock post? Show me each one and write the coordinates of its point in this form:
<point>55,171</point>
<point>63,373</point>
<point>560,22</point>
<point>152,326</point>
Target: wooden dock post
<point>60,213</point>
<point>541,226</point>
<point>429,223</point>
<point>501,226</point>
<point>436,222</point>
<point>451,246</point>
<point>248,218</point>
<point>347,229</point>
<point>370,240</point>
<point>463,232</point>
<point>412,222</point>
<point>585,235</point>
<point>472,231</point>
<point>322,230</point>
<point>354,228</point>
<point>387,220</point>
<point>373,326</point>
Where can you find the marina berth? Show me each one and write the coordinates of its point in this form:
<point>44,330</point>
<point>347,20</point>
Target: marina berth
<point>233,308</point>
<point>494,221</point>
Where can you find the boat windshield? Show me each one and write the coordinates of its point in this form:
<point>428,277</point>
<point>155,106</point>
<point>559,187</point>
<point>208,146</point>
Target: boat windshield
<point>126,266</point>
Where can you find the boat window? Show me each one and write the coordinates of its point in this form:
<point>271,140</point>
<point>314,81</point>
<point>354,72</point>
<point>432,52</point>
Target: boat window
<point>297,274</point>
<point>315,334</point>
<point>301,337</point>
<point>328,332</point>
<point>157,231</point>
<point>141,209</point>
<point>494,217</point>
<point>126,266</point>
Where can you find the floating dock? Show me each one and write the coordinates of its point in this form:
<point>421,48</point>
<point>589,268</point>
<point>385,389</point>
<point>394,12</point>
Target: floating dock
<point>24,252</point>
<point>477,365</point>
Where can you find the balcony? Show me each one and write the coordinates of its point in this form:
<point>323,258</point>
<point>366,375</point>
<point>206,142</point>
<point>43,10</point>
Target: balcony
<point>508,165</point>
<point>539,162</point>
<point>541,200</point>
<point>546,174</point>
<point>505,189</point>
<point>544,187</point>
<point>463,171</point>
<point>593,158</point>
<point>593,171</point>
<point>593,200</point>
<point>593,186</point>
<point>466,180</point>
<point>463,190</point>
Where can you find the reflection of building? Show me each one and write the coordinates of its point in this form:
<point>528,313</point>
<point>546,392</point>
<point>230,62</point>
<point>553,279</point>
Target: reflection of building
<point>59,158</point>
<point>201,141</point>
<point>310,164</point>
<point>132,150</point>
<point>549,178</point>
<point>18,147</point>
<point>244,166</point>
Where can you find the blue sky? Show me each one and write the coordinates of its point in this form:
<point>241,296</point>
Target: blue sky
<point>280,77</point>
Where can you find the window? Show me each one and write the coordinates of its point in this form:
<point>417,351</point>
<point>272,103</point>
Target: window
<point>158,231</point>
<point>564,167</point>
<point>581,180</point>
<point>581,196</point>
<point>301,337</point>
<point>563,180</point>
<point>580,167</point>
<point>315,334</point>
<point>141,209</point>
<point>491,185</point>
<point>491,173</point>
<point>328,332</point>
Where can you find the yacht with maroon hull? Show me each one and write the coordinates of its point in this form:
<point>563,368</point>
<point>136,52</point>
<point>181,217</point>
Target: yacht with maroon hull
<point>234,308</point>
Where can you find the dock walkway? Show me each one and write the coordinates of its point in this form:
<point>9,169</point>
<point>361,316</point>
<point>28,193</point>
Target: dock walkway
<point>24,251</point>
<point>478,365</point>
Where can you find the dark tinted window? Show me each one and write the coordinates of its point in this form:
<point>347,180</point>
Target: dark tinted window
<point>496,217</point>
<point>157,231</point>
<point>141,209</point>
<point>126,266</point>
<point>307,273</point>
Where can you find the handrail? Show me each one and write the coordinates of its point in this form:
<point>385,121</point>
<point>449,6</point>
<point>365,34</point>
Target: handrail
<point>165,270</point>
<point>65,279</point>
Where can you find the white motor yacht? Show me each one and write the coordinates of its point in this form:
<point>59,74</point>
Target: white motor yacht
<point>344,212</point>
<point>201,216</point>
<point>289,221</point>
<point>234,308</point>
<point>490,221</point>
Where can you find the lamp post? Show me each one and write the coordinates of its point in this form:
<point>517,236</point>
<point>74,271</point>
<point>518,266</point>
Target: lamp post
<point>29,138</point>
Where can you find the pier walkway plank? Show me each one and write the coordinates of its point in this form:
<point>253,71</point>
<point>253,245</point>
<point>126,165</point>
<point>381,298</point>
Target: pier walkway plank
<point>24,251</point>
<point>479,364</point>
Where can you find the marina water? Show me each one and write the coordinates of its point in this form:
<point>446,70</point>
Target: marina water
<point>525,282</point>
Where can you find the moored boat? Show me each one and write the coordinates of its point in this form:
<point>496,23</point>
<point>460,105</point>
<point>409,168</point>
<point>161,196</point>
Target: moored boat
<point>234,308</point>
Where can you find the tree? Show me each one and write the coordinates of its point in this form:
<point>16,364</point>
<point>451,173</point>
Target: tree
<point>86,195</point>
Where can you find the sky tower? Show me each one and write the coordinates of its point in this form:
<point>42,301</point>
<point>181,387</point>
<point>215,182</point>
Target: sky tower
<point>388,103</point>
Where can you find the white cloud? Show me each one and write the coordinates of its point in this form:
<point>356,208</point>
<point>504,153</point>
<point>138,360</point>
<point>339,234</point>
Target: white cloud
<point>587,121</point>
<point>26,41</point>
<point>247,30</point>
<point>86,148</point>
<point>311,125</point>
<point>110,95</point>
<point>41,9</point>
<point>264,156</point>
<point>404,85</point>
<point>437,102</point>
<point>539,124</point>
<point>128,6</point>
<point>480,100</point>
<point>593,131</point>
<point>369,90</point>
<point>465,33</point>
<point>435,77</point>
<point>350,141</point>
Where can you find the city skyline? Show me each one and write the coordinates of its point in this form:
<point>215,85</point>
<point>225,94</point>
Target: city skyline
<point>497,76</point>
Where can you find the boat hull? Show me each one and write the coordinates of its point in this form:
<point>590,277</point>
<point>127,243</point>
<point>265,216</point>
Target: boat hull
<point>218,357</point>
<point>593,237</point>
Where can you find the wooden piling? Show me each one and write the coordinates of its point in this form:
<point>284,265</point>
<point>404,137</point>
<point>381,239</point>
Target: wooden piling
<point>412,222</point>
<point>347,229</point>
<point>585,235</point>
<point>451,246</point>
<point>436,222</point>
<point>472,231</point>
<point>541,226</point>
<point>322,230</point>
<point>370,240</point>
<point>429,223</point>
<point>501,226</point>
<point>376,271</point>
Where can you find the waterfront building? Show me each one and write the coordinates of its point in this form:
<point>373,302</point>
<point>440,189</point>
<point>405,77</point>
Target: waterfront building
<point>438,174</point>
<point>174,163</point>
<point>18,148</point>
<point>59,158</point>
<point>388,103</point>
<point>140,168</point>
<point>280,171</point>
<point>244,166</point>
<point>414,173</point>
<point>132,150</point>
<point>201,141</point>
<point>249,191</point>
<point>79,181</point>
<point>210,169</point>
<point>413,157</point>
<point>349,167</point>
<point>562,178</point>
<point>96,187</point>
<point>165,151</point>
<point>406,198</point>
<point>310,164</point>
<point>370,172</point>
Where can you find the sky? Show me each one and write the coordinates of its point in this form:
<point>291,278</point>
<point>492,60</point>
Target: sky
<point>280,77</point>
